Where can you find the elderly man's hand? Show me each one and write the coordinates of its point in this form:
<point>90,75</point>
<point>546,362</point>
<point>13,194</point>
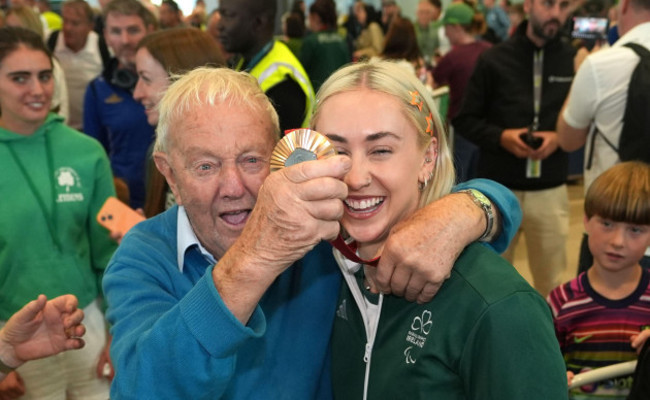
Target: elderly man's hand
<point>421,250</point>
<point>297,207</point>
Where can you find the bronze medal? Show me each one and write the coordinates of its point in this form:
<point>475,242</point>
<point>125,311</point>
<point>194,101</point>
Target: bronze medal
<point>300,145</point>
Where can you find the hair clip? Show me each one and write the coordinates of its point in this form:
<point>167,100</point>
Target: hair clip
<point>429,124</point>
<point>415,100</point>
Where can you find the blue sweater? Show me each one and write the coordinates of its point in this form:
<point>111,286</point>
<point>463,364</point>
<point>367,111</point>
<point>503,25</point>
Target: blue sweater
<point>173,337</point>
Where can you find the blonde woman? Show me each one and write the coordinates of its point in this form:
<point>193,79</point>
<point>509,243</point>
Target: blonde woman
<point>487,334</point>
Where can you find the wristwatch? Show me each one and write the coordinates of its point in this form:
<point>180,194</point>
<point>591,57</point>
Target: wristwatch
<point>486,205</point>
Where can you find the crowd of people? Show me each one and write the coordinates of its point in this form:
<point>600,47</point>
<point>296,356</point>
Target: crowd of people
<point>374,273</point>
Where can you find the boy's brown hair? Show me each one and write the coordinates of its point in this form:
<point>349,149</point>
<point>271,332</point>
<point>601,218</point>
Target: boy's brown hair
<point>621,194</point>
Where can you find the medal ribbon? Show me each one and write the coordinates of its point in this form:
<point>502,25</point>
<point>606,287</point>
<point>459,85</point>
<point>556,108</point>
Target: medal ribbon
<point>349,251</point>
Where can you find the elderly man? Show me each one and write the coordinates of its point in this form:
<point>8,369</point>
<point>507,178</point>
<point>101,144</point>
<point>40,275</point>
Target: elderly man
<point>232,294</point>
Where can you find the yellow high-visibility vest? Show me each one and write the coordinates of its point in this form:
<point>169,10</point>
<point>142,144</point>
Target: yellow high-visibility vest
<point>275,66</point>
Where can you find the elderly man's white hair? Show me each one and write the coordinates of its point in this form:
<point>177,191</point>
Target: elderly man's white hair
<point>210,86</point>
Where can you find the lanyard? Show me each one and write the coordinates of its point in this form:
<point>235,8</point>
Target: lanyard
<point>534,167</point>
<point>51,220</point>
<point>538,65</point>
<point>256,58</point>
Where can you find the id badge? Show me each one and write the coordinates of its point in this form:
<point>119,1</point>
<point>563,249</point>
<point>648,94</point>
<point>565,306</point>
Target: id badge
<point>533,168</point>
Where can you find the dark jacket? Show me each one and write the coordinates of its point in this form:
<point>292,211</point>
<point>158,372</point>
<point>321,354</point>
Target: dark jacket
<point>499,96</point>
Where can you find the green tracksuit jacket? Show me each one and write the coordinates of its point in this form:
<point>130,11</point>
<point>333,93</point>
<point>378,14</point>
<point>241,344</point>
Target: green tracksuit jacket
<point>486,335</point>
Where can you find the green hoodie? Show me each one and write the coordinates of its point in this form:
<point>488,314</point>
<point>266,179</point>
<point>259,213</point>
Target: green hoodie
<point>53,245</point>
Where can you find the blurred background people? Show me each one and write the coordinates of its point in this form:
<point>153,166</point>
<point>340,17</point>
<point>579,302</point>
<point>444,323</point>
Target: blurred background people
<point>516,15</point>
<point>293,31</point>
<point>370,41</point>
<point>198,17</point>
<point>401,46</point>
<point>82,53</point>
<point>324,50</point>
<point>247,28</point>
<point>510,108</point>
<point>427,28</point>
<point>463,26</point>
<point>212,29</point>
<point>170,15</point>
<point>389,11</point>
<point>497,20</point>
<point>111,115</point>
<point>53,21</point>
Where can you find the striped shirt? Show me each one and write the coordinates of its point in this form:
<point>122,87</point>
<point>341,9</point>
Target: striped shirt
<point>595,331</point>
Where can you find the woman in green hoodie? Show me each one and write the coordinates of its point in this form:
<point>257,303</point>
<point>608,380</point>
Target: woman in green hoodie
<point>53,182</point>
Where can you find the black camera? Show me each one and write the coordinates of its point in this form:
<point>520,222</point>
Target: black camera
<point>531,141</point>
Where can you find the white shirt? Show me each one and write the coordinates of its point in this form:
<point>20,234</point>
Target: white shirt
<point>60,96</point>
<point>80,68</point>
<point>599,95</point>
<point>186,238</point>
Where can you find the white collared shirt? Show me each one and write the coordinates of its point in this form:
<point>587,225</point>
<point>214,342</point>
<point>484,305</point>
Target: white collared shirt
<point>599,95</point>
<point>186,238</point>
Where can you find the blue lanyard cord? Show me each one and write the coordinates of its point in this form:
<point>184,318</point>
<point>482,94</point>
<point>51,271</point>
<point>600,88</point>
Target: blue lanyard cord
<point>256,58</point>
<point>51,220</point>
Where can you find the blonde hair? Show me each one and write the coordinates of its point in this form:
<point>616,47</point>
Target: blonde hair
<point>622,194</point>
<point>211,86</point>
<point>389,78</point>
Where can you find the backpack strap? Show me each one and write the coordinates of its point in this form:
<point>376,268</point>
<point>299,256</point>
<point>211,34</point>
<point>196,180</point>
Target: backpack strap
<point>640,51</point>
<point>596,132</point>
<point>644,54</point>
<point>103,51</point>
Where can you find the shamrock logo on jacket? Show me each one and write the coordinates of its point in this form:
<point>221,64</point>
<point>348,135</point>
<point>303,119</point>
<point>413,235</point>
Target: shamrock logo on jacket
<point>422,323</point>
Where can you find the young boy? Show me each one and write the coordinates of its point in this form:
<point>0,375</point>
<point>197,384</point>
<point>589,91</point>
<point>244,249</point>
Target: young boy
<point>600,317</point>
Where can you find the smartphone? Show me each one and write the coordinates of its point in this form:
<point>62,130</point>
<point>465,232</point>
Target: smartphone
<point>117,216</point>
<point>590,28</point>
